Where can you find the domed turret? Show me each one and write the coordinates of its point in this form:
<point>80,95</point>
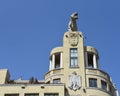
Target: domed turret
<point>77,66</point>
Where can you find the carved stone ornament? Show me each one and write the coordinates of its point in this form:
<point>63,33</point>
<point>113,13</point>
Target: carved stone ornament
<point>74,81</point>
<point>73,38</point>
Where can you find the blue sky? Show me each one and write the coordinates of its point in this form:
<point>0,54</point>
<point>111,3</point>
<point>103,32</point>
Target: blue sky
<point>29,29</point>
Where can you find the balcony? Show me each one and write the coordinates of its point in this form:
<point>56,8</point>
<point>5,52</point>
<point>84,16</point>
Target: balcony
<point>53,72</point>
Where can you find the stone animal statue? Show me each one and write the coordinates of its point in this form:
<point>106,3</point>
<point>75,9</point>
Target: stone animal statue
<point>72,26</point>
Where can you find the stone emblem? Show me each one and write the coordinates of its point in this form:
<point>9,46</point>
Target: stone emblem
<point>74,81</point>
<point>73,38</point>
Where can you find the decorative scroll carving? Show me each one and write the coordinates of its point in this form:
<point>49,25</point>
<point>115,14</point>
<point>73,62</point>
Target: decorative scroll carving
<point>74,81</point>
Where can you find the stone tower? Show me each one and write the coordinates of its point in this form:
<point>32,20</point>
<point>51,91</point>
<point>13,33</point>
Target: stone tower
<point>77,66</point>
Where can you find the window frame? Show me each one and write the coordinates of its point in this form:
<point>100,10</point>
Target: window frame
<point>93,83</point>
<point>56,81</point>
<point>103,85</point>
<point>73,57</point>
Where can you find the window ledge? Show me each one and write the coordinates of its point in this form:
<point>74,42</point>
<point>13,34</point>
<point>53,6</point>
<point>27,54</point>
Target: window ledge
<point>74,66</point>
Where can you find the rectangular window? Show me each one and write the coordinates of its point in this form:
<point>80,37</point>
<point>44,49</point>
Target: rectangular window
<point>51,94</point>
<point>73,57</point>
<point>32,94</point>
<point>103,85</point>
<point>11,94</point>
<point>55,81</point>
<point>92,82</point>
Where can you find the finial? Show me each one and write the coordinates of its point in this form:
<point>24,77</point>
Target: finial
<point>72,26</point>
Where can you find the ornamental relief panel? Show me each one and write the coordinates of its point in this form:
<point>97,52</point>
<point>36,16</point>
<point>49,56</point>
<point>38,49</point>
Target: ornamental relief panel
<point>74,81</point>
<point>73,38</point>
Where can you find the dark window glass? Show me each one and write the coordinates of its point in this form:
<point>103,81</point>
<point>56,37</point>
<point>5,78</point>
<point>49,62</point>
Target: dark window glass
<point>92,82</point>
<point>73,57</point>
<point>57,60</point>
<point>110,88</point>
<point>51,94</point>
<point>31,94</point>
<point>90,60</point>
<point>11,94</point>
<point>55,81</point>
<point>104,85</point>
